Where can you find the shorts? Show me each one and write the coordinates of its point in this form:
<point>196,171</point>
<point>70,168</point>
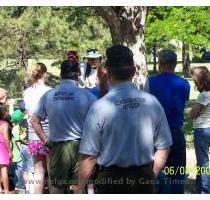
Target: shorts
<point>36,148</point>
<point>63,163</point>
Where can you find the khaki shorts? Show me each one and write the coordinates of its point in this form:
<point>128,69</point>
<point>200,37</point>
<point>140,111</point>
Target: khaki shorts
<point>63,163</point>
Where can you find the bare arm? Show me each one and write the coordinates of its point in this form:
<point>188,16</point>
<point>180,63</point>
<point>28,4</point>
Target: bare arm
<point>5,131</point>
<point>160,159</point>
<point>103,80</point>
<point>196,110</point>
<point>36,124</point>
<point>87,164</point>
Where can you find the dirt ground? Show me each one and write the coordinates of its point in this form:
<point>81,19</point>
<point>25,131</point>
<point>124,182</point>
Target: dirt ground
<point>190,171</point>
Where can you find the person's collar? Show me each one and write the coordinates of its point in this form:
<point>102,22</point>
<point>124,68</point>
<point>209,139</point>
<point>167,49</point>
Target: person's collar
<point>68,81</point>
<point>122,85</point>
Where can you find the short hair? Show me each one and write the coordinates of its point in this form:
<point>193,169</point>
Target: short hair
<point>168,57</point>
<point>37,71</point>
<point>201,77</point>
<point>69,69</point>
<point>120,62</point>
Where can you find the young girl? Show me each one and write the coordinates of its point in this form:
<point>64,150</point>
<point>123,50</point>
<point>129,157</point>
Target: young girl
<point>201,124</point>
<point>5,151</point>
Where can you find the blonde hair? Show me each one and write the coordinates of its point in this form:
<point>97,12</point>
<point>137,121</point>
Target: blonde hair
<point>37,71</point>
<point>201,77</point>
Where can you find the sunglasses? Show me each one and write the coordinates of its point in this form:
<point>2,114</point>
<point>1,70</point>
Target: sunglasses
<point>92,50</point>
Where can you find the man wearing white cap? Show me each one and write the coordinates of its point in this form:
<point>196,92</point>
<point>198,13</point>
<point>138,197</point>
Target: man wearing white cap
<point>88,76</point>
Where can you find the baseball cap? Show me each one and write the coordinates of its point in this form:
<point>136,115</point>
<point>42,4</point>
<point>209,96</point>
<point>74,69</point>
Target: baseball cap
<point>17,116</point>
<point>167,55</point>
<point>93,53</point>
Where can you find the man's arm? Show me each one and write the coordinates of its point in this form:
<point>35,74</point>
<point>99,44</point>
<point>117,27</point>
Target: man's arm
<point>160,159</point>
<point>87,164</point>
<point>37,126</point>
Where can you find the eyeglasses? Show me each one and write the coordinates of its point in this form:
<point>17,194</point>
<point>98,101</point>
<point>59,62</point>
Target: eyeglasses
<point>92,50</point>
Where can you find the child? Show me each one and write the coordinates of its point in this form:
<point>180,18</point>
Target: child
<point>17,163</point>
<point>201,124</point>
<point>5,151</point>
<point>28,171</point>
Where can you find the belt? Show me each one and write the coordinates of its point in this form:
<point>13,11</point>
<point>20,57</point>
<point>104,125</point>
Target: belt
<point>129,168</point>
<point>66,141</point>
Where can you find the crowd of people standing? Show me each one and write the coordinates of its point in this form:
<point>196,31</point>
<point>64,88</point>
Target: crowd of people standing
<point>97,132</point>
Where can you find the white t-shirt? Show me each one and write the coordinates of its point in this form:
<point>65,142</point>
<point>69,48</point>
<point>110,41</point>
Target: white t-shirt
<point>203,120</point>
<point>90,81</point>
<point>31,97</point>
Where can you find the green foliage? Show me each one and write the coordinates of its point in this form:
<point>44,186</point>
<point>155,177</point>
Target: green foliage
<point>185,24</point>
<point>49,32</point>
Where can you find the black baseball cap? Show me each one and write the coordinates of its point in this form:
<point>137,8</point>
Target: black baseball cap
<point>167,55</point>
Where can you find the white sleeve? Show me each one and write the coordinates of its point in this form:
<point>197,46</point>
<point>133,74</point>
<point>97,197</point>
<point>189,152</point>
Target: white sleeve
<point>204,98</point>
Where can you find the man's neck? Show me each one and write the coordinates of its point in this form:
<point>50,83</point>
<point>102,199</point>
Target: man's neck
<point>167,71</point>
<point>115,82</point>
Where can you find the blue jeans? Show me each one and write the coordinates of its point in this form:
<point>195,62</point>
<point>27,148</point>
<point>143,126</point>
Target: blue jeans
<point>26,159</point>
<point>15,169</point>
<point>173,183</point>
<point>202,143</point>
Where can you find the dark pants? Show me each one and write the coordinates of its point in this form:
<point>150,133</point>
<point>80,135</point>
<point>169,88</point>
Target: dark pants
<point>174,181</point>
<point>63,164</point>
<point>117,180</point>
<point>202,143</point>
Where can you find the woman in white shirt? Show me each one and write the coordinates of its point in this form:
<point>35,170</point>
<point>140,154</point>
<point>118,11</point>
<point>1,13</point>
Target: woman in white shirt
<point>88,78</point>
<point>38,151</point>
<point>201,125</point>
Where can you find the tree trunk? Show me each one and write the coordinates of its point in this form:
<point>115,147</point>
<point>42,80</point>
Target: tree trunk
<point>21,50</point>
<point>127,26</point>
<point>185,59</point>
<point>154,52</point>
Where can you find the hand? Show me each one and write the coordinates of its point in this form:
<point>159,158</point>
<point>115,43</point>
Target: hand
<point>76,189</point>
<point>102,75</point>
<point>10,156</point>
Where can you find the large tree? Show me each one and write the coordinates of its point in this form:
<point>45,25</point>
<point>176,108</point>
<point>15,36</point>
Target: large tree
<point>45,33</point>
<point>187,25</point>
<point>127,26</point>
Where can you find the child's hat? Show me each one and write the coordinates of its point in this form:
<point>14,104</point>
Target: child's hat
<point>17,116</point>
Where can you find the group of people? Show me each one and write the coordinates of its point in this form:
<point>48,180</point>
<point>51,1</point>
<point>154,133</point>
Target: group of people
<point>98,132</point>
